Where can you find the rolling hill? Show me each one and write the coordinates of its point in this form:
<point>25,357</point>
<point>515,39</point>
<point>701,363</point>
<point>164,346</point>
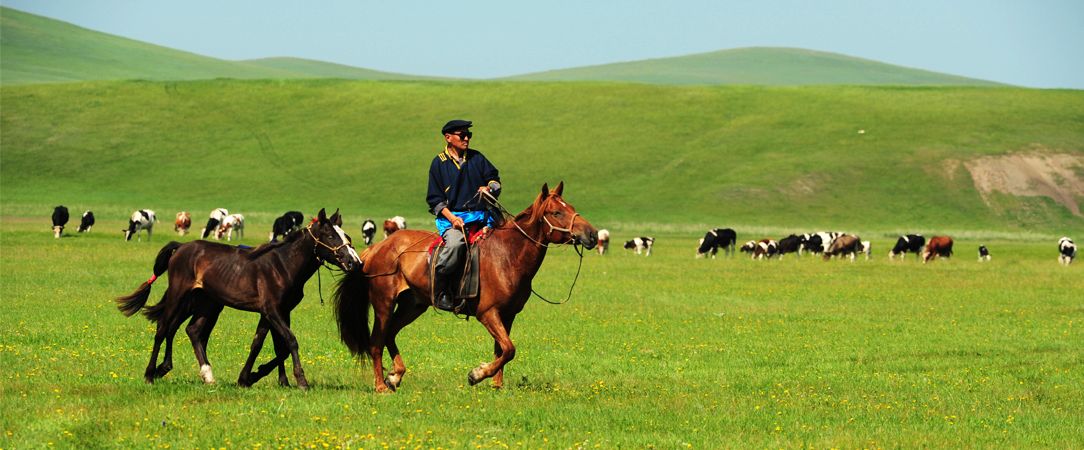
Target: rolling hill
<point>36,49</point>
<point>757,66</point>
<point>633,156</point>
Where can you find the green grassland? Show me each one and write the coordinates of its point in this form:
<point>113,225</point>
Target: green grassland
<point>663,351</point>
<point>638,158</point>
<point>757,66</point>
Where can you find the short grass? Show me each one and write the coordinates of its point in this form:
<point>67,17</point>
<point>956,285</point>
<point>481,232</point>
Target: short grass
<point>664,351</point>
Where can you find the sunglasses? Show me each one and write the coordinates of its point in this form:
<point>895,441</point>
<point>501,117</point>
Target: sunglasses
<point>463,134</point>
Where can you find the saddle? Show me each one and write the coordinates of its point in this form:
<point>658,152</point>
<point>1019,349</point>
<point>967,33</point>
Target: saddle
<point>469,283</point>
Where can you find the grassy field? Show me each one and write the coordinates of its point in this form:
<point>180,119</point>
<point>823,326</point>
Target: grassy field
<point>665,351</point>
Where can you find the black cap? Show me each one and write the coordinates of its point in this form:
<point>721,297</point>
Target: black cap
<point>454,125</point>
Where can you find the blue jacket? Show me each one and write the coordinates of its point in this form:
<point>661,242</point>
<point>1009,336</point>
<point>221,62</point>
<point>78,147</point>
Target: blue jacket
<point>455,186</point>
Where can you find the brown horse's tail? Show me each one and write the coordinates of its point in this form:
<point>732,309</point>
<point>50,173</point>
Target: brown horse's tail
<point>132,303</point>
<point>352,311</point>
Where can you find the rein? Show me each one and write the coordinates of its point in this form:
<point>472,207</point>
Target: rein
<point>579,250</point>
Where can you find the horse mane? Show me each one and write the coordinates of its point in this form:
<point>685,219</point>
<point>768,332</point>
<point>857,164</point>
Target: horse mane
<point>261,250</point>
<point>532,212</point>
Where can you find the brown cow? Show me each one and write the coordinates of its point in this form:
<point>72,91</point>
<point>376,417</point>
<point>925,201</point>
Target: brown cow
<point>394,224</point>
<point>183,223</point>
<point>937,246</point>
<point>847,244</point>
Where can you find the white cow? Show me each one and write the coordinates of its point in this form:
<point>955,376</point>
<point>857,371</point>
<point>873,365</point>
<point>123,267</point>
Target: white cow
<point>143,219</point>
<point>232,222</point>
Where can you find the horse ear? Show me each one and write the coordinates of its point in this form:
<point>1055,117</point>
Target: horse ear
<point>545,190</point>
<point>336,219</point>
<point>322,215</point>
<point>560,187</point>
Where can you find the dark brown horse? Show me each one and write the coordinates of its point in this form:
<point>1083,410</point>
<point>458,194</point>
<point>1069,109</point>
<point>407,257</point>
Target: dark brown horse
<point>394,281</point>
<point>206,276</point>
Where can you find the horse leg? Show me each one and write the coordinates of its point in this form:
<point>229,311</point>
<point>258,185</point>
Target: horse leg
<point>407,312</point>
<point>278,361</point>
<point>279,326</point>
<point>491,319</point>
<point>376,349</point>
<point>199,332</point>
<point>498,378</point>
<point>245,378</point>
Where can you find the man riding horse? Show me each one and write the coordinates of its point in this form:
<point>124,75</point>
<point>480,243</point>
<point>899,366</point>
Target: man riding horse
<point>457,177</point>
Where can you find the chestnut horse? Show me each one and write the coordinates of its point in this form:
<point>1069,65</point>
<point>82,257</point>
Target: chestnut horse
<point>394,281</point>
<point>206,276</point>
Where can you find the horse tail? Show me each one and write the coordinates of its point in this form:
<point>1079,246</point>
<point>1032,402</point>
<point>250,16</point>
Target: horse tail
<point>352,312</point>
<point>131,303</point>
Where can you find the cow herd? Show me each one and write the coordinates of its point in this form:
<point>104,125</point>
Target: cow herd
<point>220,224</point>
<point>826,244</point>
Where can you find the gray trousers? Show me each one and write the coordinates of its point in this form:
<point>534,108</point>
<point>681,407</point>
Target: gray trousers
<point>451,257</point>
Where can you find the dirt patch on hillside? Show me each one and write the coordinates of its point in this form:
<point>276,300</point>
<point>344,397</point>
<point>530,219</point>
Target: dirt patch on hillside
<point>1059,176</point>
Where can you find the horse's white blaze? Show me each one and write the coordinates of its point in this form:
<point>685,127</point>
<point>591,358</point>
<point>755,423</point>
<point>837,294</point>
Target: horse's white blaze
<point>394,379</point>
<point>206,374</point>
<point>349,248</point>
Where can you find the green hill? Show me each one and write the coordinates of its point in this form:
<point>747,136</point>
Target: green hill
<point>634,156</point>
<point>36,49</point>
<point>757,66</point>
<point>321,69</point>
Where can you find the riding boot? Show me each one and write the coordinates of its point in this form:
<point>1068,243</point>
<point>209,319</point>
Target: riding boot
<point>443,299</point>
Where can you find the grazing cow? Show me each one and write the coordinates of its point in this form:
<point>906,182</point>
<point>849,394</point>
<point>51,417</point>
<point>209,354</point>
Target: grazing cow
<point>867,249</point>
<point>765,249</point>
<point>716,238</point>
<point>1066,251</point>
<point>817,242</point>
<point>87,222</point>
<point>182,223</point>
<point>368,230</point>
<point>603,241</point>
<point>217,215</point>
<point>748,247</point>
<point>232,222</point>
<point>394,224</point>
<point>845,245</point>
<point>790,244</point>
<point>937,246</point>
<point>640,244</point>
<point>143,219</point>
<point>913,243</point>
<point>286,224</point>
<point>60,218</point>
<point>984,254</point>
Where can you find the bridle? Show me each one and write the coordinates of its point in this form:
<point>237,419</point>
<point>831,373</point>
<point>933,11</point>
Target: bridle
<point>319,243</point>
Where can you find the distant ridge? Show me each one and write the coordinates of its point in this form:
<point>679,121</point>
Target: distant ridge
<point>757,66</point>
<point>37,49</point>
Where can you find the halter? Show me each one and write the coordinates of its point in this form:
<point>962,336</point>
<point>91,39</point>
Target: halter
<point>323,262</point>
<point>318,242</point>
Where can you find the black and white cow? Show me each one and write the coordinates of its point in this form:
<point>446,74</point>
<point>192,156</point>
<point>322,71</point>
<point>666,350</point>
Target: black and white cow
<point>286,224</point>
<point>233,223</point>
<point>368,230</point>
<point>867,249</point>
<point>1066,251</point>
<point>913,243</point>
<point>216,218</point>
<point>86,222</point>
<point>765,249</point>
<point>984,254</point>
<point>716,238</point>
<point>641,244</point>
<point>817,243</point>
<point>748,247</point>
<point>60,219</point>
<point>143,219</point>
<point>790,244</point>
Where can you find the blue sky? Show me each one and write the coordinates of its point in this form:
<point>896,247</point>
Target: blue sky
<point>1033,43</point>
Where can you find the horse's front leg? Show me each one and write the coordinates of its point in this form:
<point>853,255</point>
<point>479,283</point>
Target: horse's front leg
<point>245,378</point>
<point>491,319</point>
<point>279,326</point>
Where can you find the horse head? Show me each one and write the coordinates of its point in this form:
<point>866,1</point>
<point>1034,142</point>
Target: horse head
<point>332,244</point>
<point>561,223</point>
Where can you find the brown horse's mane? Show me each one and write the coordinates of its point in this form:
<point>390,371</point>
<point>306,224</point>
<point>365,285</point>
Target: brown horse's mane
<point>532,211</point>
<point>261,250</point>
